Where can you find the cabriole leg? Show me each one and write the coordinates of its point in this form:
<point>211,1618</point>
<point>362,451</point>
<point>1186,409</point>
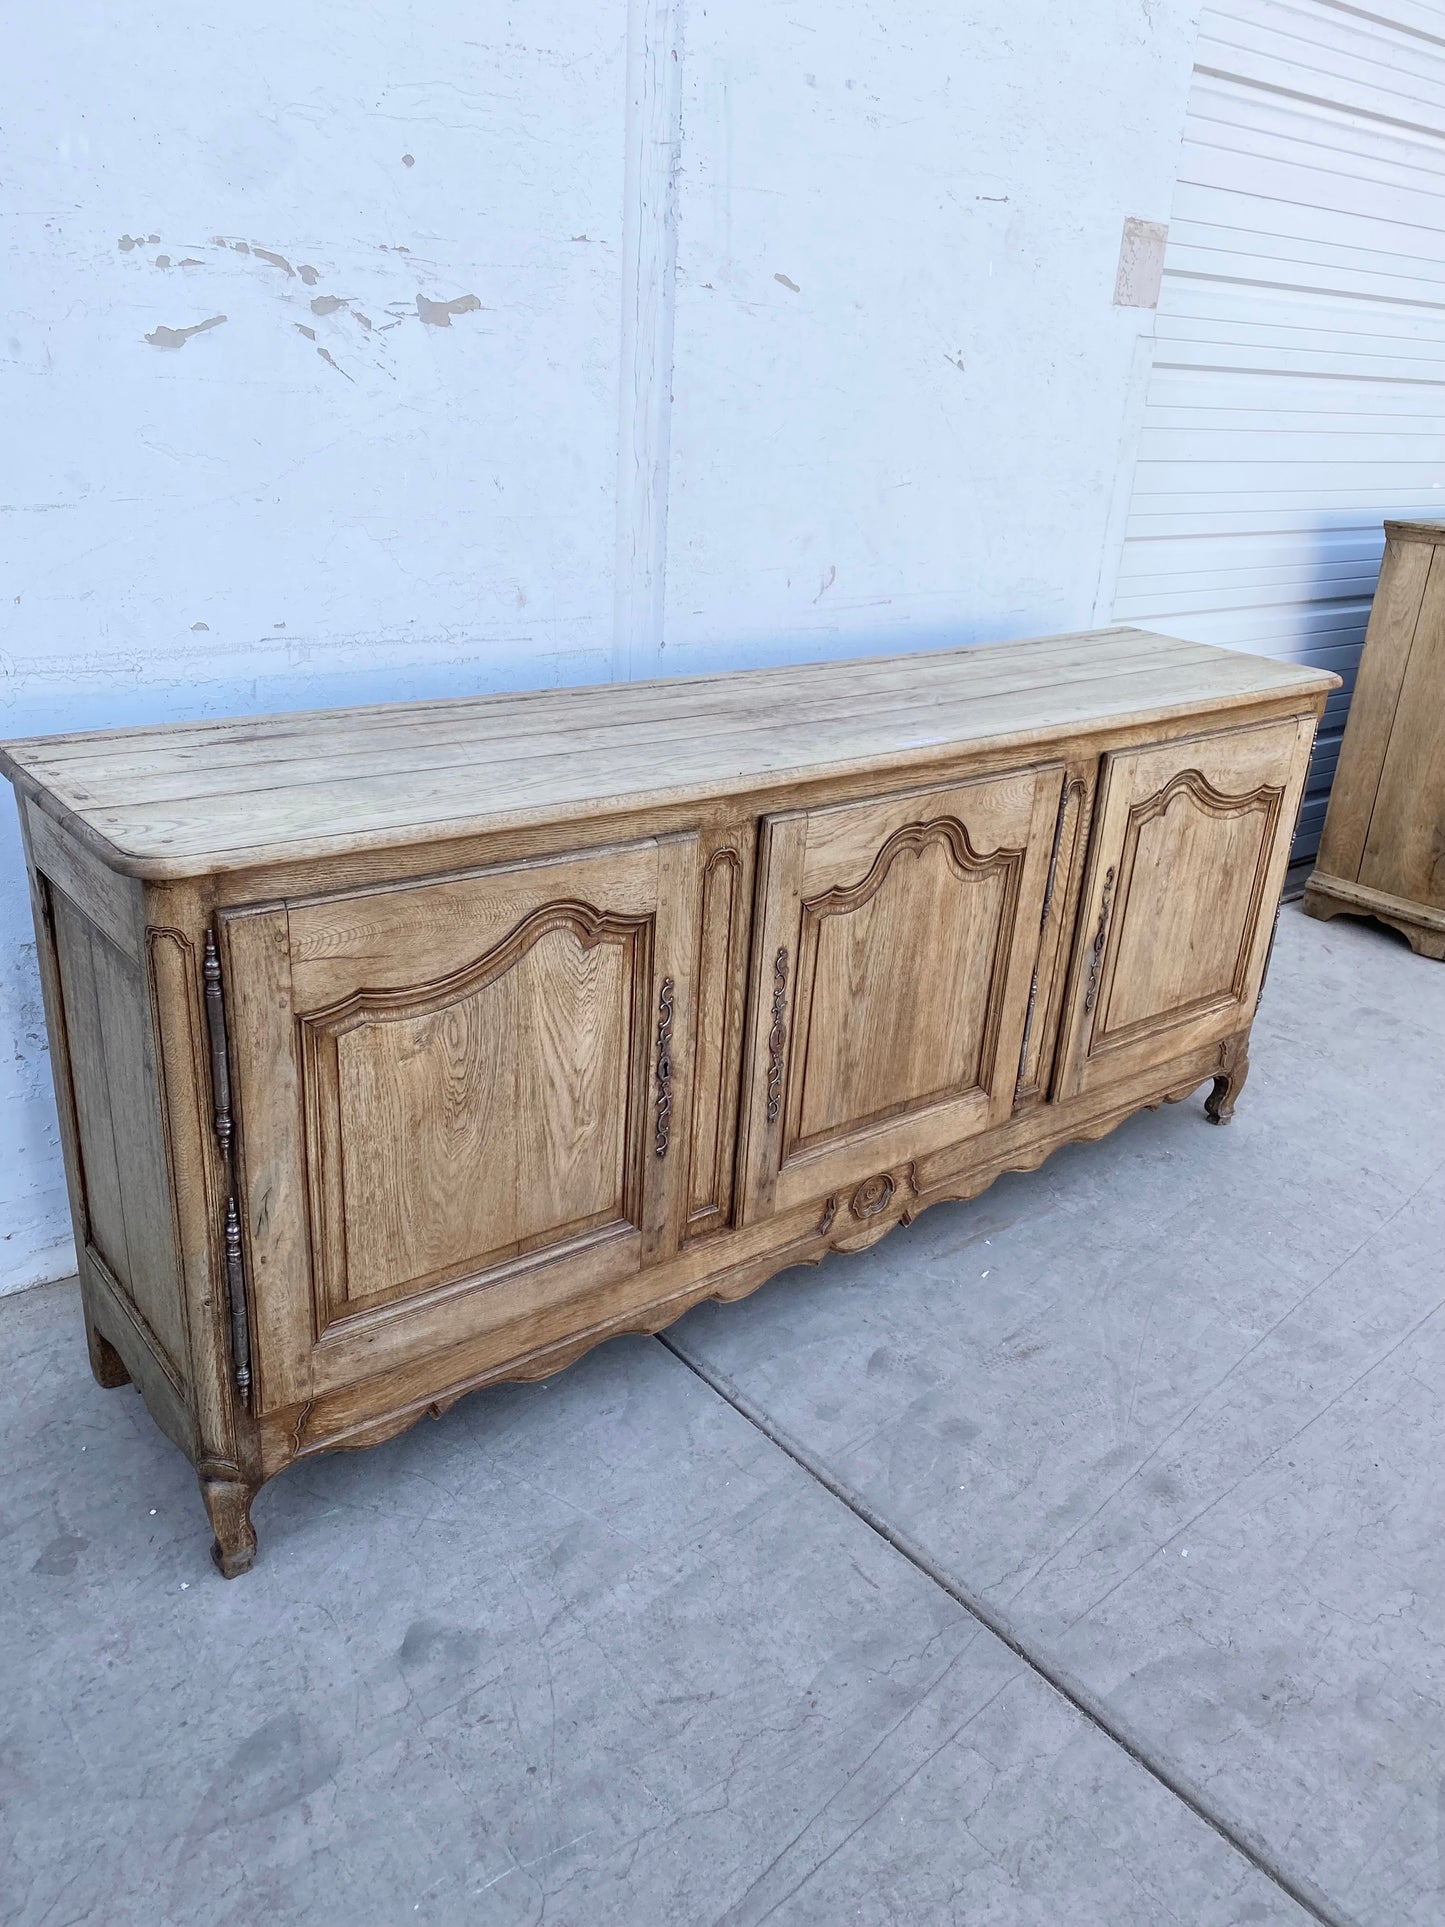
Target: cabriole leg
<point>1228,1082</point>
<point>228,1502</point>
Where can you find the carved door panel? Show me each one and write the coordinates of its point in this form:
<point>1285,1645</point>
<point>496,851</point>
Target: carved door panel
<point>458,1101</point>
<point>1191,841</point>
<point>891,980</point>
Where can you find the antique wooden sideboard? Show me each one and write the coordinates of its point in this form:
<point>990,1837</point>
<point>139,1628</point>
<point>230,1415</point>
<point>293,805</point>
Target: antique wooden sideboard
<point>1383,850</point>
<point>404,1049</point>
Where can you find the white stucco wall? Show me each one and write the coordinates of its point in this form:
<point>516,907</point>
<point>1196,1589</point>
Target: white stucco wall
<point>360,352</point>
<point>900,378</point>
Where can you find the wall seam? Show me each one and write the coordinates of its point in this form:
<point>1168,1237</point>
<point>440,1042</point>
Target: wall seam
<point>649,290</point>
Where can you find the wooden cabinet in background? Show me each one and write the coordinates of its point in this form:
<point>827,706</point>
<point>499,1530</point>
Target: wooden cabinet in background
<point>403,1050</point>
<point>1382,854</point>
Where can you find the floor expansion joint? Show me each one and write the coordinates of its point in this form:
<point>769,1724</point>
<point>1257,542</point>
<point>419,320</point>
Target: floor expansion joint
<point>1303,1893</point>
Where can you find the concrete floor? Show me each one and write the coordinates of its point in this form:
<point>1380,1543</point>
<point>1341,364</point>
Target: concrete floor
<point>620,1649</point>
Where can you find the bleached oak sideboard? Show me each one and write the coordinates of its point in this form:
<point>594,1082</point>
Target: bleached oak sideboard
<point>400,1050</point>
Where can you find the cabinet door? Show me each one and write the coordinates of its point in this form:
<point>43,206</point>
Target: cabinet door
<point>458,1101</point>
<point>897,940</point>
<point>1191,842</point>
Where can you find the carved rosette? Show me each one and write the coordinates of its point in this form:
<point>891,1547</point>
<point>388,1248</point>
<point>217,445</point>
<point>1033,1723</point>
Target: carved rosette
<point>872,1196</point>
<point>871,1209</point>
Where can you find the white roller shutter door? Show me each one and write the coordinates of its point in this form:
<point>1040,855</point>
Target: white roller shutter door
<point>1297,395</point>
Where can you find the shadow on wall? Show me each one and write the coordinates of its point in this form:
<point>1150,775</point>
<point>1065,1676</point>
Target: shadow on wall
<point>463,670</point>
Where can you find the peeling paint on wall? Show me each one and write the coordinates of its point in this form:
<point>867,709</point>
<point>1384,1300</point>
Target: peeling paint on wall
<point>417,307</point>
<point>389,477</point>
<point>438,314</point>
<point>276,260</point>
<point>178,337</point>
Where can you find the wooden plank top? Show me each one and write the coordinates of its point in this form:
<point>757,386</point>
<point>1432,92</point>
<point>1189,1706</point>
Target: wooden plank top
<point>190,799</point>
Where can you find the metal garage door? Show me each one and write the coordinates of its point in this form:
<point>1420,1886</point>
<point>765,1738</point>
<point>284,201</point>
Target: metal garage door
<point>1298,387</point>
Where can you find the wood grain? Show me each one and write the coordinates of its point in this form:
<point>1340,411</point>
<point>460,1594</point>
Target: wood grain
<point>110,902</point>
<point>876,1037</point>
<point>1405,845</point>
<point>1189,851</point>
<point>468,1101</point>
<point>1394,614</point>
<point>1165,965</point>
<point>1382,853</point>
<point>120,1154</point>
<point>545,1016</point>
<point>1421,925</point>
<point>211,798</point>
<point>912,926</point>
<point>482,1123</point>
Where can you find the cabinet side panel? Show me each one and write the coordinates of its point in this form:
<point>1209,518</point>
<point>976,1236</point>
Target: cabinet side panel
<point>1405,846</point>
<point>1393,617</point>
<point>112,903</point>
<point>103,1220</point>
<point>123,1180</point>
